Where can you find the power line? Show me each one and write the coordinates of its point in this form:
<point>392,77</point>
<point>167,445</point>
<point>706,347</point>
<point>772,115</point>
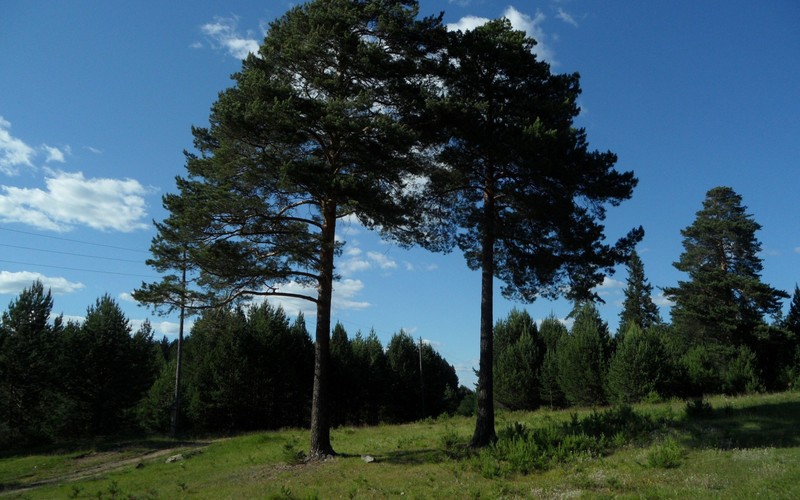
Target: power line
<point>72,240</point>
<point>69,253</point>
<point>78,269</point>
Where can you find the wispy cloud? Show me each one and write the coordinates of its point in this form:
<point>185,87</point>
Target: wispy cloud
<point>797,249</point>
<point>69,199</point>
<point>566,17</point>
<point>223,34</point>
<point>14,153</point>
<point>12,283</point>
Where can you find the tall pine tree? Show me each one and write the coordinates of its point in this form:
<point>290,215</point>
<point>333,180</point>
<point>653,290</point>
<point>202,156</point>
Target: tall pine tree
<point>724,298</point>
<point>518,187</point>
<point>638,309</point>
<point>316,128</point>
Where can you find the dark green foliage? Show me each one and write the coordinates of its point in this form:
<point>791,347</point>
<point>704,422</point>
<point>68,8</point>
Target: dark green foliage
<point>248,370</point>
<point>411,396</point>
<point>30,383</point>
<point>372,375</point>
<point>107,369</point>
<point>318,126</point>
<point>518,191</point>
<point>344,382</point>
<point>518,356</point>
<point>551,331</point>
<point>583,358</point>
<point>638,366</point>
<point>638,308</point>
<point>724,298</point>
<point>521,450</point>
<point>792,320</point>
<point>713,369</point>
<point>775,350</point>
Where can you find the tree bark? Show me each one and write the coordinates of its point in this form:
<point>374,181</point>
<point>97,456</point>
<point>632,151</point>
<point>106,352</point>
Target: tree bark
<point>484,426</point>
<point>320,405</point>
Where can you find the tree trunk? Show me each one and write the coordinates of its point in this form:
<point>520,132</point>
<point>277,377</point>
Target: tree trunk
<point>484,426</point>
<point>320,406</point>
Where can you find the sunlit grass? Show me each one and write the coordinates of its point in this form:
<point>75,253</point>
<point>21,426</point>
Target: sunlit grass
<point>744,447</point>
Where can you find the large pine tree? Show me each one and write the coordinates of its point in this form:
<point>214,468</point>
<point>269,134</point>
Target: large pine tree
<point>519,188</point>
<point>315,129</point>
<point>724,298</point>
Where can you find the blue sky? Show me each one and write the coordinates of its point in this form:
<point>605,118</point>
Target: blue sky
<point>97,100</point>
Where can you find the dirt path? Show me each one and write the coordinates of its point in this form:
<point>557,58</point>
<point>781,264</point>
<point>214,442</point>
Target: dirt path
<point>96,464</point>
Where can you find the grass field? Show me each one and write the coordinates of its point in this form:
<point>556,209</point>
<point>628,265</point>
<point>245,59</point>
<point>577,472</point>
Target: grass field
<point>735,448</point>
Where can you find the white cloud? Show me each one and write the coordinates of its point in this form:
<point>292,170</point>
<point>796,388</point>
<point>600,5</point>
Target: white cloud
<point>467,23</point>
<point>662,300</point>
<point>381,260</point>
<point>344,298</point>
<point>223,34</point>
<point>609,286</point>
<point>93,150</point>
<point>55,154</point>
<point>566,17</point>
<point>14,152</point>
<point>12,283</point>
<point>70,199</point>
<point>126,297</point>
<point>351,266</point>
<point>532,26</point>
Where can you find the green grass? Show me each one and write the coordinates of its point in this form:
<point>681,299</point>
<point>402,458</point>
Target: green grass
<point>740,448</point>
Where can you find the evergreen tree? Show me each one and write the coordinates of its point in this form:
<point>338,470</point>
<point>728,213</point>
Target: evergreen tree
<point>108,370</point>
<point>551,332</point>
<point>518,356</point>
<point>314,130</point>
<point>638,309</point>
<point>438,381</point>
<point>724,298</point>
<point>638,366</point>
<point>249,370</point>
<point>518,190</point>
<point>30,396</point>
<point>371,369</point>
<point>792,320</point>
<point>406,398</point>
<point>344,384</point>
<point>583,358</point>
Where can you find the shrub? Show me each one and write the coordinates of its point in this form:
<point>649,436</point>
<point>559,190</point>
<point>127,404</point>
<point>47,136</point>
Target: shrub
<point>698,408</point>
<point>666,455</point>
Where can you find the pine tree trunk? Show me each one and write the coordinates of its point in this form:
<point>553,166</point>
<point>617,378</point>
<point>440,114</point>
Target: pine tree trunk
<point>320,405</point>
<point>484,426</point>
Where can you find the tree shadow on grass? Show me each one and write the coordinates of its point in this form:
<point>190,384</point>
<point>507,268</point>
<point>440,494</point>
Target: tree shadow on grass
<point>775,425</point>
<point>412,457</point>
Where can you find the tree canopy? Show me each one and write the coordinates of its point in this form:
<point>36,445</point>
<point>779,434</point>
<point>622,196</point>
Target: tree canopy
<point>520,191</point>
<point>724,298</point>
<point>314,129</point>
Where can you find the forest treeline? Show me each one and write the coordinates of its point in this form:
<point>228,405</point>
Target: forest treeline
<point>243,369</point>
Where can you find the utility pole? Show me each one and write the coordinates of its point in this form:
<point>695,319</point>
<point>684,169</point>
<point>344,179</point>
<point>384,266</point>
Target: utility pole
<point>421,379</point>
<point>176,401</point>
